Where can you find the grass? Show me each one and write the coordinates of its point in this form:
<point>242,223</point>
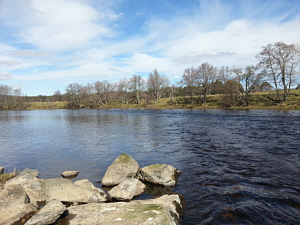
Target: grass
<point>47,105</point>
<point>259,100</point>
<point>6,176</point>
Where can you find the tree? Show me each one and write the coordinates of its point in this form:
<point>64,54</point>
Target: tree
<point>206,76</point>
<point>232,93</point>
<point>123,87</point>
<point>57,96</point>
<point>249,78</point>
<point>156,85</point>
<point>137,84</point>
<point>279,62</point>
<point>73,94</point>
<point>189,81</point>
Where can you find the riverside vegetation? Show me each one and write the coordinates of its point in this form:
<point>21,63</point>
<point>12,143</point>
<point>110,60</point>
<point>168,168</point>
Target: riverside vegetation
<point>269,84</point>
<point>257,100</point>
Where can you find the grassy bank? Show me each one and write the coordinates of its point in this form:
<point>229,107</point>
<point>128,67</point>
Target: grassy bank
<point>259,100</point>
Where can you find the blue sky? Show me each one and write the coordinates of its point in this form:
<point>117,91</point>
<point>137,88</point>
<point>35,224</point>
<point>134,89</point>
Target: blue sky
<point>47,44</point>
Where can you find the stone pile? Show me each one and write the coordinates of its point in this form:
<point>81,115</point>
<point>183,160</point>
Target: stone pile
<point>26,199</point>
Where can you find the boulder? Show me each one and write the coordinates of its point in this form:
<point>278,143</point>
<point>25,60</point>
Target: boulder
<point>174,202</point>
<point>67,192</point>
<point>14,205</point>
<point>29,180</point>
<point>124,213</point>
<point>127,189</point>
<point>70,174</point>
<point>48,214</point>
<point>161,174</point>
<point>122,168</point>
<point>1,170</point>
<point>89,186</point>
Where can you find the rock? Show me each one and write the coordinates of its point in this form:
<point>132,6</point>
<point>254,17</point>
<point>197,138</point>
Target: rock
<point>14,205</point>
<point>161,174</point>
<point>122,168</point>
<point>1,170</point>
<point>29,180</point>
<point>67,192</point>
<point>70,174</point>
<point>48,214</point>
<point>174,202</point>
<point>136,212</point>
<point>127,189</point>
<point>89,186</point>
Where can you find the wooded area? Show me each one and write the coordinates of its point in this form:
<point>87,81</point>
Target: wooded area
<point>277,69</point>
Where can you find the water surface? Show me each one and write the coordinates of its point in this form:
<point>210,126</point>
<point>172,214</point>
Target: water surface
<point>238,167</point>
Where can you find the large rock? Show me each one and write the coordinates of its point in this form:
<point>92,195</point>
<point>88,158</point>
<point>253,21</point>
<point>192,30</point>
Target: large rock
<point>175,203</point>
<point>89,186</point>
<point>48,214</point>
<point>29,180</point>
<point>14,205</point>
<point>67,192</point>
<point>70,174</point>
<point>161,174</point>
<point>122,168</point>
<point>157,212</point>
<point>127,189</point>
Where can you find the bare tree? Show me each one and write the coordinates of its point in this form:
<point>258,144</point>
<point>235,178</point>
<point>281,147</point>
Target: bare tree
<point>206,76</point>
<point>73,94</point>
<point>280,63</point>
<point>57,96</point>
<point>189,81</point>
<point>123,87</point>
<point>137,86</point>
<point>156,85</point>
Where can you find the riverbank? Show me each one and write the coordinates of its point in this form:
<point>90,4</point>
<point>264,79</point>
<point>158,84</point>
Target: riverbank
<point>259,100</point>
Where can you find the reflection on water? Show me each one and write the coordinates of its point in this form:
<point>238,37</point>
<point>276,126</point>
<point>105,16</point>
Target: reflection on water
<point>238,167</point>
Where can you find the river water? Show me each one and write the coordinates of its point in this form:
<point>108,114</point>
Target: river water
<point>238,167</point>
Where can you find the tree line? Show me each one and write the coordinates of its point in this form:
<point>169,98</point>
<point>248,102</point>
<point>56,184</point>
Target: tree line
<point>277,69</point>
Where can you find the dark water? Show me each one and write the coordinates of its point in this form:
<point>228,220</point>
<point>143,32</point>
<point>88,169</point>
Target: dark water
<point>238,167</point>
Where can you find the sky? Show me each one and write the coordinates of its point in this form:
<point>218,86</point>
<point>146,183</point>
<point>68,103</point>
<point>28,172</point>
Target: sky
<point>45,45</point>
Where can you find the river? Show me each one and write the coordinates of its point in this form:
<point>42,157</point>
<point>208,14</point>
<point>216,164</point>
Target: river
<point>238,166</point>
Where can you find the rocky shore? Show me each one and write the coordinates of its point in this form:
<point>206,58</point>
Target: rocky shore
<point>27,199</point>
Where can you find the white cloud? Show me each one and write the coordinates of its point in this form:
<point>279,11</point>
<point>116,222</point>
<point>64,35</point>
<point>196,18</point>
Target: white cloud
<point>5,76</point>
<point>86,40</point>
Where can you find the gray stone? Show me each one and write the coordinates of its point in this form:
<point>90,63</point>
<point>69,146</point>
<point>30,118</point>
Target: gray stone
<point>155,212</point>
<point>66,191</point>
<point>122,168</point>
<point>89,186</point>
<point>1,170</point>
<point>29,180</point>
<point>127,189</point>
<point>14,205</point>
<point>70,174</point>
<point>48,214</point>
<point>161,174</point>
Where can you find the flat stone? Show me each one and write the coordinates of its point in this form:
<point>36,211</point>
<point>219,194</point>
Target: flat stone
<point>122,168</point>
<point>48,214</point>
<point>127,189</point>
<point>14,205</point>
<point>29,180</point>
<point>89,186</point>
<point>67,192</point>
<point>70,174</point>
<point>154,212</point>
<point>161,174</point>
